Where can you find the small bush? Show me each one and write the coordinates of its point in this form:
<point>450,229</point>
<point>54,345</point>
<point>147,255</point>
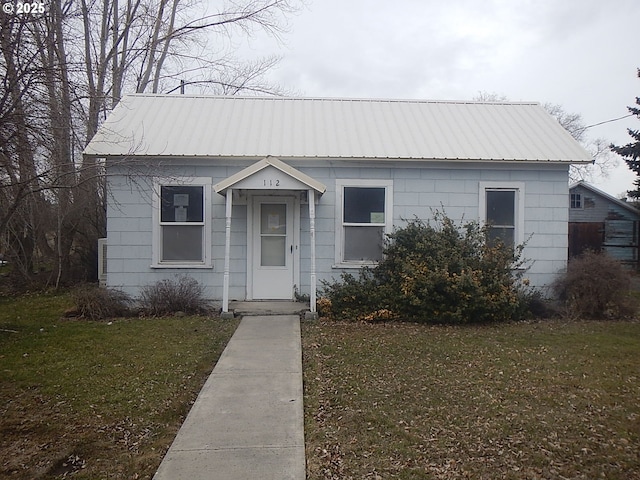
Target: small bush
<point>351,298</point>
<point>184,294</point>
<point>98,303</point>
<point>595,286</point>
<point>442,273</point>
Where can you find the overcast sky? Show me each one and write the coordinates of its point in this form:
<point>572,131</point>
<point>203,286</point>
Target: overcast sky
<point>581,54</point>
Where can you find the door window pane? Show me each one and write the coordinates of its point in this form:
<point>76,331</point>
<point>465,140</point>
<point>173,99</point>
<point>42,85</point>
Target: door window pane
<point>364,204</point>
<point>273,251</point>
<point>182,242</point>
<point>273,219</point>
<point>363,243</point>
<point>273,234</point>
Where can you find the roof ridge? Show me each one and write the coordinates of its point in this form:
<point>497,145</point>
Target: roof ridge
<point>334,99</point>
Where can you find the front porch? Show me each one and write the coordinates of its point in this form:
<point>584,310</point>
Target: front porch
<point>270,307</point>
<point>273,192</point>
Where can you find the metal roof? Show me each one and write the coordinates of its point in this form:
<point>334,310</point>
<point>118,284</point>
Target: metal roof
<point>257,127</point>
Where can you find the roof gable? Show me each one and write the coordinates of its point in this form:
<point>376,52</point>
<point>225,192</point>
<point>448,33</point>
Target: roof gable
<point>610,198</point>
<point>256,127</point>
<point>257,175</point>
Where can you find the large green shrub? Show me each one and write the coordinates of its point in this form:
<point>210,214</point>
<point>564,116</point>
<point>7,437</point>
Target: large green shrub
<point>435,272</point>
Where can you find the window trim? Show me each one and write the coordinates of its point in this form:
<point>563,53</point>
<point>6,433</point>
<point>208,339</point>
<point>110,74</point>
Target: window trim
<point>518,188</point>
<point>578,195</point>
<point>339,212</point>
<point>156,243</point>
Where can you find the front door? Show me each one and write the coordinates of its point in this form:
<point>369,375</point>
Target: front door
<point>273,248</point>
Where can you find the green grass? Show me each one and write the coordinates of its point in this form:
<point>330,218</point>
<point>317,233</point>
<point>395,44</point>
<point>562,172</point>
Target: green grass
<point>550,400</point>
<point>544,400</point>
<point>96,399</point>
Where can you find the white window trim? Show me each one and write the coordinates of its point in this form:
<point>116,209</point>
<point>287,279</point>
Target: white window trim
<point>156,242</point>
<point>517,187</point>
<point>339,210</point>
<point>578,194</point>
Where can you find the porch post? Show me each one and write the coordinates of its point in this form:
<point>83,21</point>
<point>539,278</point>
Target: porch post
<point>227,252</point>
<point>312,232</point>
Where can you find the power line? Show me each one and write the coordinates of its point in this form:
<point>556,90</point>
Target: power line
<point>608,121</point>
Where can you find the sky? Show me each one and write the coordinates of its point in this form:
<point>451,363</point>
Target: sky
<point>580,54</point>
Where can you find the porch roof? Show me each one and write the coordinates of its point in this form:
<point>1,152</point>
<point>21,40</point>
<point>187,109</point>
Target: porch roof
<point>301,178</point>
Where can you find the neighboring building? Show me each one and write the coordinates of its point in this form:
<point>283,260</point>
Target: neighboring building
<point>600,222</point>
<point>260,197</point>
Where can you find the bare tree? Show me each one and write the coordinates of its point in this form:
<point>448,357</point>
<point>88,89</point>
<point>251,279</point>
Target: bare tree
<point>603,158</point>
<point>65,69</point>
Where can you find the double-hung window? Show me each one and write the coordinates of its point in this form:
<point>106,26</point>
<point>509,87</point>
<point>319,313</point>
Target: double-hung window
<point>502,210</point>
<point>182,225</point>
<point>364,210</point>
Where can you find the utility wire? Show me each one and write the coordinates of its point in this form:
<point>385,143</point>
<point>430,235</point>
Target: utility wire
<point>608,121</point>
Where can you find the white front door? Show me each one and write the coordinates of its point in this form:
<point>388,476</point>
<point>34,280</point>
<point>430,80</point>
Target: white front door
<point>273,248</point>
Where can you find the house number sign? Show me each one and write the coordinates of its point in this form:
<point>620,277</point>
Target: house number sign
<point>271,182</point>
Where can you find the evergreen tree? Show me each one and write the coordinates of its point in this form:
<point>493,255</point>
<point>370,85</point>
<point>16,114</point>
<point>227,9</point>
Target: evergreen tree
<point>631,151</point>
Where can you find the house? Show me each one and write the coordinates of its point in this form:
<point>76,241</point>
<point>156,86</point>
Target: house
<point>261,197</point>
<point>600,222</point>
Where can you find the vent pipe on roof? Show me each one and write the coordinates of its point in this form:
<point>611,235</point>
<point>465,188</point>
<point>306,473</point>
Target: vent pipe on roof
<point>181,87</point>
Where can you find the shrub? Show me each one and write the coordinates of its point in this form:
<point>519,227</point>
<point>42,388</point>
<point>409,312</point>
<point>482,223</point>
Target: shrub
<point>98,303</point>
<point>442,273</point>
<point>352,298</point>
<point>594,286</point>
<point>184,294</point>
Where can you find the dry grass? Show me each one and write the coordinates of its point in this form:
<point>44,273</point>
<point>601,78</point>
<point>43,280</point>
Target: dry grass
<point>96,400</point>
<point>529,400</point>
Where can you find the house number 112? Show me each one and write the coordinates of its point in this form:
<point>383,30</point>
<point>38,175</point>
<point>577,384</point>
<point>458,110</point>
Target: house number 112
<point>271,183</point>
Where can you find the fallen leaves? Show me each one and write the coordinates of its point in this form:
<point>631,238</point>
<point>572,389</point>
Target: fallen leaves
<point>517,401</point>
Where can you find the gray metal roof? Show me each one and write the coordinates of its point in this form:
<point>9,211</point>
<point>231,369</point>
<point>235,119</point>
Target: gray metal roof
<point>207,126</point>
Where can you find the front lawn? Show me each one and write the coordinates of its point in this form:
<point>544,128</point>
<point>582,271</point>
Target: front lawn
<point>92,400</point>
<point>547,400</point>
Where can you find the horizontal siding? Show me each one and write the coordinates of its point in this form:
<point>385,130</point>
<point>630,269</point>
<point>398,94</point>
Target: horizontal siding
<point>417,192</point>
<point>596,208</point>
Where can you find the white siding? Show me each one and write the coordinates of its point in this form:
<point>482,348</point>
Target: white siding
<point>417,190</point>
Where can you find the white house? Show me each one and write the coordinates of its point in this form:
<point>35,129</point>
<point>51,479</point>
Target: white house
<point>260,197</point>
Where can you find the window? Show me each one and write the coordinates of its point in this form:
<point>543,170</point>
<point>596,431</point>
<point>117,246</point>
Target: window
<point>502,209</point>
<point>181,230</point>
<point>576,200</point>
<point>501,216</point>
<point>365,216</point>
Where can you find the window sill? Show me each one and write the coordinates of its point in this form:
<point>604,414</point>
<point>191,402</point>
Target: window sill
<point>354,265</point>
<point>180,265</point>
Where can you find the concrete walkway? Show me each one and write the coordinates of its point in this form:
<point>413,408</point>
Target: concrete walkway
<point>247,421</point>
